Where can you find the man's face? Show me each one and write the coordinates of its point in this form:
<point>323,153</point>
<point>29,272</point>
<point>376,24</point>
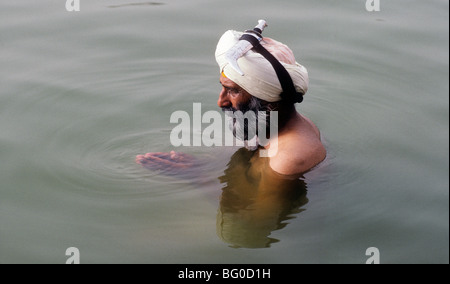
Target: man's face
<point>232,97</point>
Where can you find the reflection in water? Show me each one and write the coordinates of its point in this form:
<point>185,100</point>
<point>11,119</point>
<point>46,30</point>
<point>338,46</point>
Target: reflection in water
<point>256,201</point>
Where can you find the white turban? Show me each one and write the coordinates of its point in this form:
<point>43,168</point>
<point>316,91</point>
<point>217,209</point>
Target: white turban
<point>260,79</point>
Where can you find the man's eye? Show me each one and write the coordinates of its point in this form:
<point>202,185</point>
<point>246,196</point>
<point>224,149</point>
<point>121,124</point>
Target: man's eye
<point>233,91</point>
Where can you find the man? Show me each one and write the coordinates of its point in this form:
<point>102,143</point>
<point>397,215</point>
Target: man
<point>270,79</point>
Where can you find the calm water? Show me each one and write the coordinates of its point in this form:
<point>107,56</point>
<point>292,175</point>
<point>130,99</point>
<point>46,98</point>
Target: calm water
<point>83,93</point>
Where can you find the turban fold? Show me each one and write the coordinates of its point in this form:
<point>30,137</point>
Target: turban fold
<point>260,79</point>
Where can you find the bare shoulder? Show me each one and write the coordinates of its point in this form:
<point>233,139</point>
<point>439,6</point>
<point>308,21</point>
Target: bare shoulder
<point>298,150</point>
<point>298,158</point>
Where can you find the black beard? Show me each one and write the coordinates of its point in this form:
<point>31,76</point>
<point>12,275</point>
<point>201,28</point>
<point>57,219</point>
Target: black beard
<point>261,110</point>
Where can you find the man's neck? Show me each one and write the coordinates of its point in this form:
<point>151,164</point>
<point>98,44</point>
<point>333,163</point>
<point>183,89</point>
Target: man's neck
<point>285,116</point>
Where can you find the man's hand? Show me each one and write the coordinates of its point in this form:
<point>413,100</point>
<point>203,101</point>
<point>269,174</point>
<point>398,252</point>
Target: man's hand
<point>171,162</point>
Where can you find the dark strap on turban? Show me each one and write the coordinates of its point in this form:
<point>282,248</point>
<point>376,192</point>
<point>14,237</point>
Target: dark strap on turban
<point>289,93</point>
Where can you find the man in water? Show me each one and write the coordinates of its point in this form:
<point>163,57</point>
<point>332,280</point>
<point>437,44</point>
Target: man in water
<point>265,86</point>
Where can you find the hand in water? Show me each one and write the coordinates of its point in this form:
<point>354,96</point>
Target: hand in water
<point>168,162</point>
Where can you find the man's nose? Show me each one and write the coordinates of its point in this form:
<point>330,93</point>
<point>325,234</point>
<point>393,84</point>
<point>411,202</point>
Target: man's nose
<point>223,99</point>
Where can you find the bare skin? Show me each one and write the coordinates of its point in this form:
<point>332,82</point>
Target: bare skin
<point>298,144</point>
<point>166,161</point>
<point>299,148</point>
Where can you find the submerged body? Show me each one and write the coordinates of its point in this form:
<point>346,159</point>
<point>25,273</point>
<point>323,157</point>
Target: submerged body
<point>259,191</point>
<point>256,201</point>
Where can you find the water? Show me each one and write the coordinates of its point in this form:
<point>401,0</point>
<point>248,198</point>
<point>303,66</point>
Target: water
<point>83,93</point>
